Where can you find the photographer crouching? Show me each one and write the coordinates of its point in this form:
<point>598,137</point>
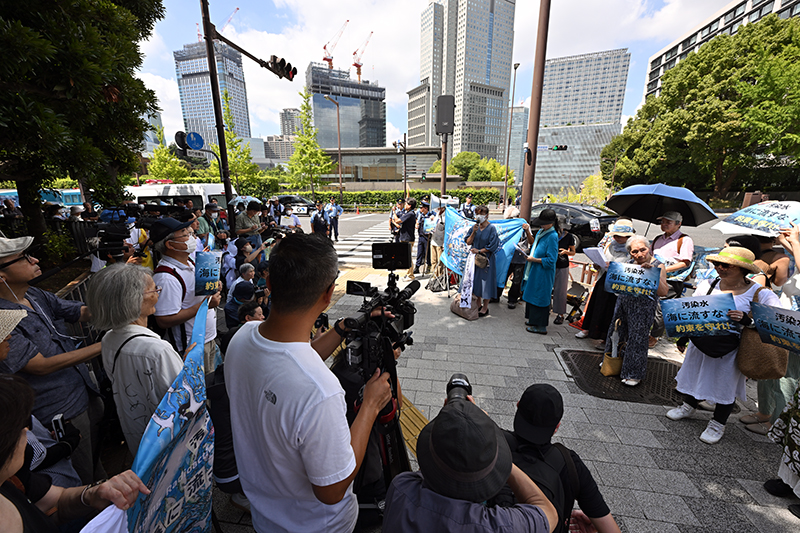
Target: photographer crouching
<point>296,455</point>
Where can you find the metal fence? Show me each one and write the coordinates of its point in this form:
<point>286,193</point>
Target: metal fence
<point>76,291</point>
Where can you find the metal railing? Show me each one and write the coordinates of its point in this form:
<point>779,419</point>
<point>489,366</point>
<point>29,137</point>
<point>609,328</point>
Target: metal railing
<point>75,291</point>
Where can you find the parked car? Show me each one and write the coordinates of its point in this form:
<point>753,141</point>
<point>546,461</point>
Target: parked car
<point>300,205</point>
<point>589,223</point>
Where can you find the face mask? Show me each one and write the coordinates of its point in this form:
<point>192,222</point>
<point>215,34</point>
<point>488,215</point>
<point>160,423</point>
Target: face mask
<point>480,218</point>
<point>191,245</point>
<point>248,250</point>
<point>214,215</point>
<point>288,213</point>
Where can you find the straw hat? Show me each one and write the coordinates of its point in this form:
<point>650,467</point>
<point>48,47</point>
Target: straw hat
<point>623,227</point>
<point>736,256</point>
<point>9,318</point>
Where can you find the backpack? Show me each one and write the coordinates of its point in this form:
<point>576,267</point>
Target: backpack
<point>152,324</point>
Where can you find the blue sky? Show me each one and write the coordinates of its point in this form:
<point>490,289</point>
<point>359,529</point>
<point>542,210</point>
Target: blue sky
<point>297,30</point>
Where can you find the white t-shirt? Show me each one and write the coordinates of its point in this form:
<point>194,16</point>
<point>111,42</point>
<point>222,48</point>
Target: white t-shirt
<point>169,302</point>
<point>233,286</point>
<point>143,373</point>
<point>288,417</point>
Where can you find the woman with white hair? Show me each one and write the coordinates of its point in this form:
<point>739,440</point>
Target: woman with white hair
<point>140,364</point>
<point>635,315</point>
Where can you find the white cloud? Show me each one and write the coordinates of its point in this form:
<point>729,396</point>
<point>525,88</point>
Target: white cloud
<point>168,100</point>
<point>392,133</point>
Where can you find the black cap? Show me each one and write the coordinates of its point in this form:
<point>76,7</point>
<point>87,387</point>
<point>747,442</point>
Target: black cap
<point>212,207</point>
<point>539,412</point>
<point>547,216</point>
<point>469,196</point>
<point>244,291</point>
<point>164,226</point>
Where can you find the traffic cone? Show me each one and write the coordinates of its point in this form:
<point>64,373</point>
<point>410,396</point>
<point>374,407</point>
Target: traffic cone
<point>357,210</point>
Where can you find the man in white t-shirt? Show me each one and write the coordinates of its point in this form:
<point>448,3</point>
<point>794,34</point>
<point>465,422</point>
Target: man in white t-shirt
<point>178,305</point>
<point>295,454</point>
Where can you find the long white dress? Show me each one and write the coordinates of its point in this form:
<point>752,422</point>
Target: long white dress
<point>718,379</point>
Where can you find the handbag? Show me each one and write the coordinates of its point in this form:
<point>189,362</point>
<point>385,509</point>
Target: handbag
<point>469,313</point>
<point>481,261</point>
<point>718,345</point>
<point>758,360</point>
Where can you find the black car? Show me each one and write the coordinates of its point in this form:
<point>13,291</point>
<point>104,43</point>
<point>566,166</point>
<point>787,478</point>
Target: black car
<point>588,223</point>
<point>300,205</point>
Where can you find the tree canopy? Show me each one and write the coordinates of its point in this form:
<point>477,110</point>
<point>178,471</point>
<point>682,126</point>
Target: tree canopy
<point>308,162</point>
<point>471,167</point>
<point>164,165</point>
<point>727,117</point>
<point>70,104</point>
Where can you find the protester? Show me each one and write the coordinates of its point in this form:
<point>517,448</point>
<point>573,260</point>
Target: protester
<point>11,210</point>
<point>540,272</point>
<point>711,373</point>
<point>290,220</point>
<point>566,249</point>
<point>437,242</point>
<point>243,292</point>
<point>394,229</point>
<point>247,253</point>
<point>177,306</point>
<point>424,239</point>
<point>482,239</point>
<point>43,353</point>
<point>28,501</point>
<point>75,213</point>
<point>276,209</point>
<point>675,250</point>
<point>464,461</point>
<point>211,224</point>
<point>334,210</point>
<point>467,208</point>
<point>538,417</point>
<point>140,365</point>
<point>249,225</point>
<point>246,274</point>
<point>773,262</point>
<point>295,454</point>
<point>600,309</point>
<point>248,312</point>
<point>633,316</point>
<point>784,432</point>
<point>89,213</point>
<point>406,221</point>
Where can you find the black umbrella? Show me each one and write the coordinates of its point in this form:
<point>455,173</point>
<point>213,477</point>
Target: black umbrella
<point>648,202</point>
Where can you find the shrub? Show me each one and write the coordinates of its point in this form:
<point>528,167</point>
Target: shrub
<point>479,196</point>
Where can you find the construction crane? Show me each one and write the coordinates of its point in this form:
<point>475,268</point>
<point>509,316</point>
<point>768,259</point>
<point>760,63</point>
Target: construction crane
<point>229,20</point>
<point>199,33</point>
<point>330,45</point>
<point>357,56</point>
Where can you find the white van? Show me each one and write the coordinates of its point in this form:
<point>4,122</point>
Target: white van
<point>199,193</point>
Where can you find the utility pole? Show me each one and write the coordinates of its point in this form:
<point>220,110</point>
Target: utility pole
<point>403,144</point>
<point>444,164</point>
<point>508,145</point>
<point>339,142</point>
<point>536,110</point>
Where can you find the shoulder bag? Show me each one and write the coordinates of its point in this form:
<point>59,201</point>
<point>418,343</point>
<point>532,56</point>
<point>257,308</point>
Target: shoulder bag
<point>481,261</point>
<point>718,345</point>
<point>758,360</point>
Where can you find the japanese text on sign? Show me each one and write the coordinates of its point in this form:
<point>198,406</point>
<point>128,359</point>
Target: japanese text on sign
<point>777,326</point>
<point>699,316</point>
<point>632,279</point>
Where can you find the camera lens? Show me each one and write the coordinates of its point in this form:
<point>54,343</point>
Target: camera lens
<point>458,387</point>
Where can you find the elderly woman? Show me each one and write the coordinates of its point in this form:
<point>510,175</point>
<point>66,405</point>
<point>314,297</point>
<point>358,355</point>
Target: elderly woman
<point>483,240</point>
<point>540,272</point>
<point>709,370</point>
<point>600,309</point>
<point>42,505</point>
<point>139,363</point>
<point>566,249</point>
<point>635,314</point>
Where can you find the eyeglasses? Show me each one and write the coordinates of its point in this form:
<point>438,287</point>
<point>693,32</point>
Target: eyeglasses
<point>157,290</point>
<point>720,265</point>
<point>25,255</point>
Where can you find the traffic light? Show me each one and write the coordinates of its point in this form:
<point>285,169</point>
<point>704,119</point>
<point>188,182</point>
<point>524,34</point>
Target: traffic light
<point>424,175</point>
<point>180,142</point>
<point>559,148</point>
<point>279,66</point>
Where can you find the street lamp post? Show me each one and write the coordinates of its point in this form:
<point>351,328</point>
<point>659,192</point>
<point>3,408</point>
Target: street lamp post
<point>339,143</point>
<point>398,145</point>
<point>508,144</point>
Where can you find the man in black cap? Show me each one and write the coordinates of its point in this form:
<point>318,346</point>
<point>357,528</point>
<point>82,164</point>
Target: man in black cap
<point>467,208</point>
<point>558,471</point>
<point>424,237</point>
<point>464,461</point>
<point>406,222</point>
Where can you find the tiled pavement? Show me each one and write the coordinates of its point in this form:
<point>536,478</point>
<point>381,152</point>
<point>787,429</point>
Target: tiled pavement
<point>655,473</point>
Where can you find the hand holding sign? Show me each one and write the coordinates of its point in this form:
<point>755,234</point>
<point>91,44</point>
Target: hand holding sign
<point>777,326</point>
<point>700,316</point>
<point>626,278</point>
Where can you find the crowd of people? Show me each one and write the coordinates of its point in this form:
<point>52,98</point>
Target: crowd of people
<point>289,450</point>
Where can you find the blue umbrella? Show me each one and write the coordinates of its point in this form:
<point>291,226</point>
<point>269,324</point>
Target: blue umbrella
<point>766,218</point>
<point>244,199</point>
<point>648,202</point>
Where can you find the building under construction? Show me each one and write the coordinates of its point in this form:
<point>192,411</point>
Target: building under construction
<point>362,108</point>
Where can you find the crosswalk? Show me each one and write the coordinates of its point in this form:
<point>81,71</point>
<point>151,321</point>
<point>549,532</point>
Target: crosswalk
<point>356,250</point>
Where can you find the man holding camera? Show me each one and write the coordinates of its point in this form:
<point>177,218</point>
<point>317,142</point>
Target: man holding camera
<point>295,453</point>
<point>406,222</point>
<point>464,461</point>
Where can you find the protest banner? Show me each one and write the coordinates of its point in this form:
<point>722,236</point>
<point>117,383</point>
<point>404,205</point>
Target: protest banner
<point>175,458</point>
<point>207,267</point>
<point>456,249</point>
<point>777,326</point>
<point>428,224</point>
<point>628,278</point>
<point>699,316</point>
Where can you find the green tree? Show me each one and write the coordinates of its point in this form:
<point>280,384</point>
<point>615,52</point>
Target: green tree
<point>480,173</point>
<point>463,163</point>
<point>308,162</point>
<point>70,104</point>
<point>727,117</point>
<point>164,165</point>
<point>240,160</point>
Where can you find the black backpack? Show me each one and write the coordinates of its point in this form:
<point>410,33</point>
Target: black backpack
<point>152,323</point>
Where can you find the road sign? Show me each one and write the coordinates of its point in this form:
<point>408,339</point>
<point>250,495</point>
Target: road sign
<point>194,141</point>
<point>195,153</point>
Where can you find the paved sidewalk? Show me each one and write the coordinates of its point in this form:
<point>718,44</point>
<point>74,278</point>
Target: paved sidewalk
<point>655,473</point>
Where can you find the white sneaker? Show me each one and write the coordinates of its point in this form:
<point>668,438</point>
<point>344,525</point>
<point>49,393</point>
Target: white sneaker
<point>240,501</point>
<point>713,432</point>
<point>582,334</point>
<point>683,411</point>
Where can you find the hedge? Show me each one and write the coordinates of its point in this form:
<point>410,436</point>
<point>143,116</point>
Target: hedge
<point>480,196</point>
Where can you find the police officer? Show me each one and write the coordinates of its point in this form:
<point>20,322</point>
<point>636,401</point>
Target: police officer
<point>467,208</point>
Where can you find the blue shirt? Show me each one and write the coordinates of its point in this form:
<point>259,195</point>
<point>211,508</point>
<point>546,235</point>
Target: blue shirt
<point>333,210</point>
<point>44,331</point>
<point>413,507</point>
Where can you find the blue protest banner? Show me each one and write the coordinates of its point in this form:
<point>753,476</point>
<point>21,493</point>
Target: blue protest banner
<point>207,267</point>
<point>700,316</point>
<point>629,278</point>
<point>777,326</point>
<point>456,229</point>
<point>428,224</point>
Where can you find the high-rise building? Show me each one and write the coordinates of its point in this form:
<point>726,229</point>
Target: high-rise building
<point>194,85</point>
<point>279,147</point>
<point>465,51</point>
<point>151,141</point>
<point>726,21</point>
<point>362,108</point>
<point>290,122</point>
<point>585,89</point>
<point>519,136</point>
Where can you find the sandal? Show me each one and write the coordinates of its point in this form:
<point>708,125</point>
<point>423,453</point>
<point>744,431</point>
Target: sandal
<point>483,314</point>
<point>753,419</point>
<point>559,320</point>
<point>760,428</point>
<point>631,382</point>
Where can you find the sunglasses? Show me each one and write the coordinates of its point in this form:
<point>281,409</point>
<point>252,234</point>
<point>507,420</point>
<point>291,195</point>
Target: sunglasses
<point>720,265</point>
<point>28,255</point>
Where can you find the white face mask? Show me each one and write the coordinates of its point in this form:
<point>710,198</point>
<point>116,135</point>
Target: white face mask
<point>480,218</point>
<point>248,250</point>
<point>288,213</point>
<point>191,245</point>
<point>214,215</point>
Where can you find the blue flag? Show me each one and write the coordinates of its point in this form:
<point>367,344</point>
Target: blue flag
<point>456,249</point>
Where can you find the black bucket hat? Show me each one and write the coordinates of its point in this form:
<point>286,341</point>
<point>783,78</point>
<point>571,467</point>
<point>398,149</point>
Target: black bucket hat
<point>463,454</point>
<point>162,227</point>
<point>539,412</point>
<point>547,216</point>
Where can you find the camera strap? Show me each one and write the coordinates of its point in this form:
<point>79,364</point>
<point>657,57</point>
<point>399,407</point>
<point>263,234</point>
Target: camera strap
<point>116,355</point>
